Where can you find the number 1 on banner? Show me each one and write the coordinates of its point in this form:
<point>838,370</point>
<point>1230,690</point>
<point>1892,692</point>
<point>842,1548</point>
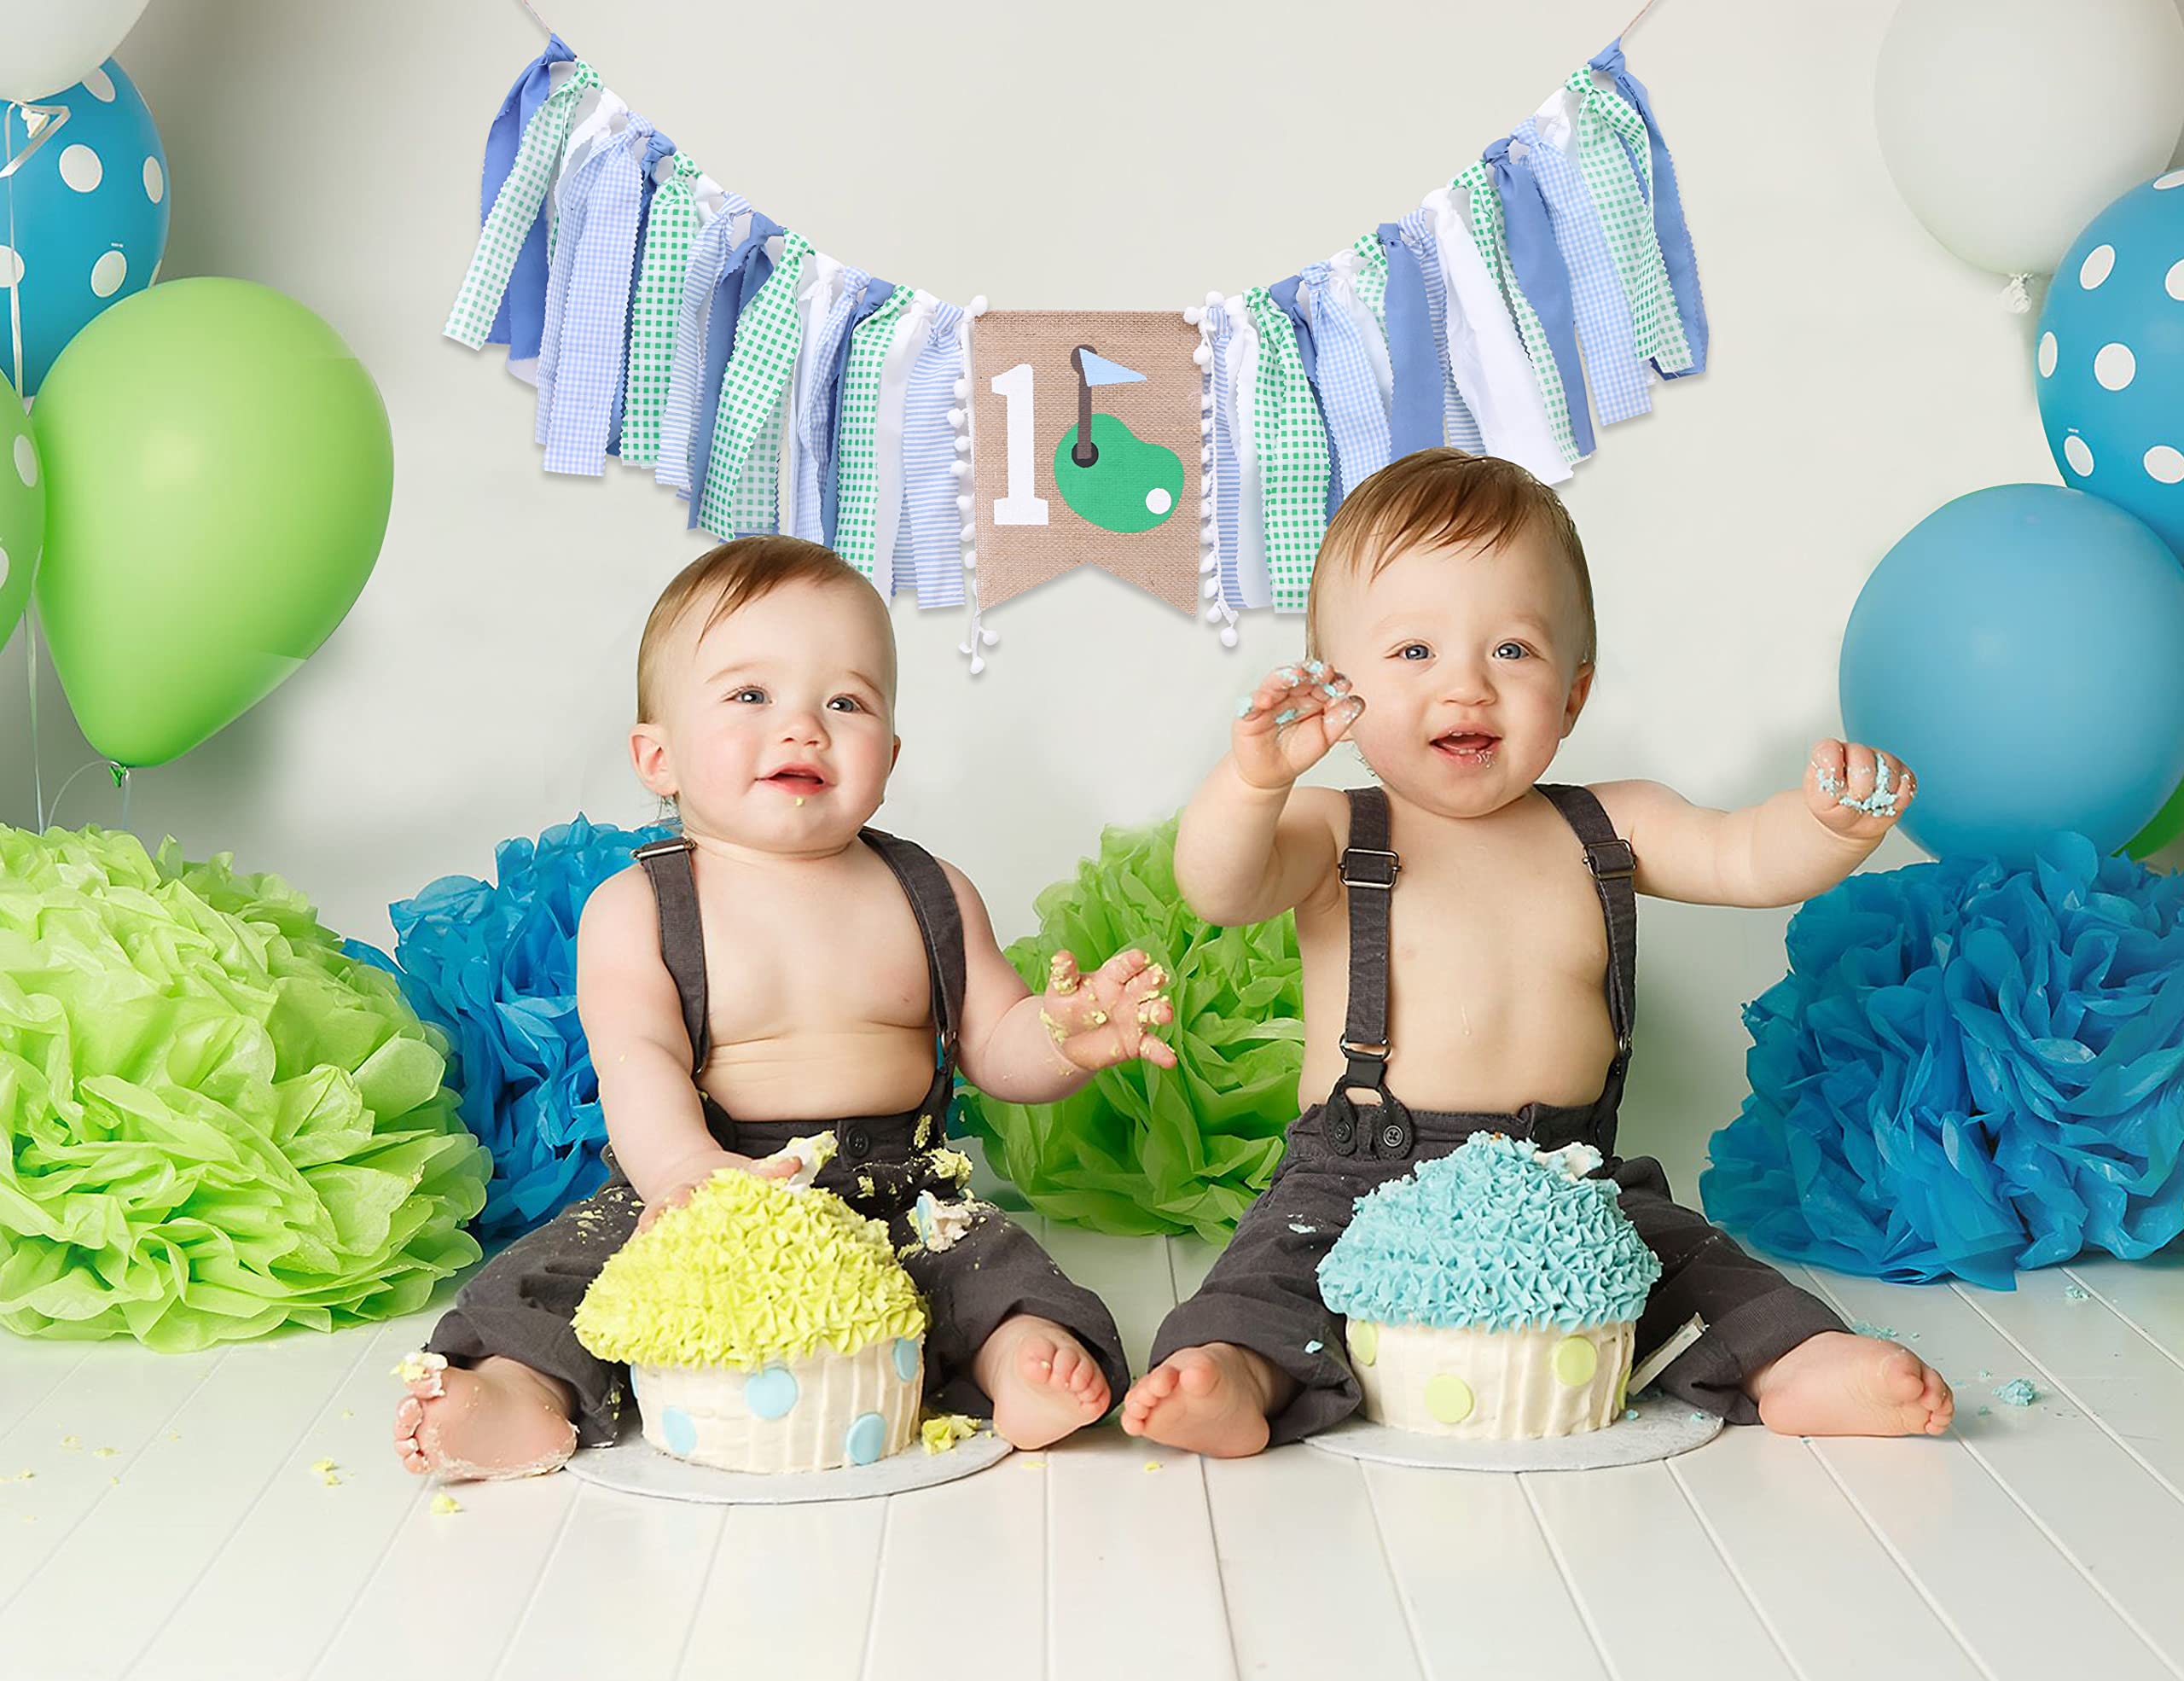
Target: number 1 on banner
<point>1020,507</point>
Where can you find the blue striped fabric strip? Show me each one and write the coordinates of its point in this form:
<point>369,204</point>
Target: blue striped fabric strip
<point>929,535</point>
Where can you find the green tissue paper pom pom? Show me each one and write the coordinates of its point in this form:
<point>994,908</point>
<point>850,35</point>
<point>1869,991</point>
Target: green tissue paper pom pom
<point>1144,1150</point>
<point>217,1122</point>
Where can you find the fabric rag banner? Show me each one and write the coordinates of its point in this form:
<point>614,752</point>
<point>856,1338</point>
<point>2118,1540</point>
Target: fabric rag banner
<point>1541,294</point>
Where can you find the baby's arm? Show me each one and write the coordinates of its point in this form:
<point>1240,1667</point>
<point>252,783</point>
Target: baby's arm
<point>1252,844</point>
<point>632,1018</point>
<point>1024,1049</point>
<point>1790,847</point>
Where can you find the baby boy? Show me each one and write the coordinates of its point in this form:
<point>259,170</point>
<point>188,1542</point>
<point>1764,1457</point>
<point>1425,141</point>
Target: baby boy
<point>1450,632</point>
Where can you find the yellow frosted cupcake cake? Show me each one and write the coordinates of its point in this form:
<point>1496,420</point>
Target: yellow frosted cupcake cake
<point>1492,1294</point>
<point>768,1327</point>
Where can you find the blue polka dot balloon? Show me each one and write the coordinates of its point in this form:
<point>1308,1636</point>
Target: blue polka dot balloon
<point>83,213</point>
<point>2110,358</point>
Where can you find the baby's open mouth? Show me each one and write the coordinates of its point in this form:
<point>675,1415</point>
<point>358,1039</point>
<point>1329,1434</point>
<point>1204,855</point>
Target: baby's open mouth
<point>1466,744</point>
<point>798,779</point>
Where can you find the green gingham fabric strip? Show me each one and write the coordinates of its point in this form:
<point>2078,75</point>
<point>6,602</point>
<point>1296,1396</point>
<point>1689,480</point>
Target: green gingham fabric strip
<point>530,177</point>
<point>857,521</point>
<point>1292,455</point>
<point>766,337</point>
<point>1615,155</point>
<point>1487,234</point>
<point>670,228</point>
<point>1371,280</point>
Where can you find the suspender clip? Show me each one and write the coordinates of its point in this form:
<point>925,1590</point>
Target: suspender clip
<point>1385,872</point>
<point>1611,860</point>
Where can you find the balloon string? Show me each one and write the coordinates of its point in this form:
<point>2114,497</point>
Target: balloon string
<point>118,772</point>
<point>15,258</point>
<point>535,18</point>
<point>15,359</point>
<point>30,665</point>
<point>1634,22</point>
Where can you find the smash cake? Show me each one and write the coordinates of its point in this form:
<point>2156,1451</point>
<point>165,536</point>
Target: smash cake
<point>1492,1294</point>
<point>768,1327</point>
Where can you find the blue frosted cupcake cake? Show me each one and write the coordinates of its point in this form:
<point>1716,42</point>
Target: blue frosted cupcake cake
<point>1493,1294</point>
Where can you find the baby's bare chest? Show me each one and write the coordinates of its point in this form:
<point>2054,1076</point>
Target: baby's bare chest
<point>835,955</point>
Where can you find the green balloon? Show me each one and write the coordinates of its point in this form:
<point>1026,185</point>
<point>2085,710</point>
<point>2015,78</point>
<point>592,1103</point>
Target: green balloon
<point>219,472</point>
<point>2164,827</point>
<point>22,509</point>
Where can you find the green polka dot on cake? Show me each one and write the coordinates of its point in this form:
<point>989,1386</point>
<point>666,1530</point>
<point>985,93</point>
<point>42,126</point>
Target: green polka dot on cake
<point>1364,1343</point>
<point>1575,1360</point>
<point>1448,1399</point>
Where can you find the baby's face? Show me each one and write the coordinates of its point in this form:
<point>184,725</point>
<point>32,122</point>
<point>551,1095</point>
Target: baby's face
<point>776,726</point>
<point>1468,663</point>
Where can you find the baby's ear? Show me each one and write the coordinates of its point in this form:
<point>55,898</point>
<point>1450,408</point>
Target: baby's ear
<point>648,755</point>
<point>896,757</point>
<point>1581,687</point>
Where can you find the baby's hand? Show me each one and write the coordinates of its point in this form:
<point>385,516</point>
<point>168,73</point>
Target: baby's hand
<point>690,1175</point>
<point>1290,721</point>
<point>1107,1016</point>
<point>1855,790</point>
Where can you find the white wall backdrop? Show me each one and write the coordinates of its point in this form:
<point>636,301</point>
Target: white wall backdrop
<point>1048,156</point>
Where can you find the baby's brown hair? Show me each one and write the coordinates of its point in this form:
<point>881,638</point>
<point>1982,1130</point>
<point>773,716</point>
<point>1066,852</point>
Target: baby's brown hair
<point>732,575</point>
<point>1444,497</point>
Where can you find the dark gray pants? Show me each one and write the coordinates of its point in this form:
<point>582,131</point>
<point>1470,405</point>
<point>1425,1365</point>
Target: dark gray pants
<point>1263,1293</point>
<point>520,1304</point>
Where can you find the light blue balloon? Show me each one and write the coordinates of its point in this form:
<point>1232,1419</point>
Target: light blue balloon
<point>89,210</point>
<point>2110,357</point>
<point>2022,650</point>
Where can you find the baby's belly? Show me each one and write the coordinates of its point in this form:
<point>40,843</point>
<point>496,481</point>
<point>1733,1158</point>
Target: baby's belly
<point>1437,1064</point>
<point>828,1076</point>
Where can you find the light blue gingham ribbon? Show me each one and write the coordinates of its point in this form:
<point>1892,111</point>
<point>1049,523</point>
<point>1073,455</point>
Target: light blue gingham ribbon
<point>1358,423</point>
<point>580,353</point>
<point>1612,365</point>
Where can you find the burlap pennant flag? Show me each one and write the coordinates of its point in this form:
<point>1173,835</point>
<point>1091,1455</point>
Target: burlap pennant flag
<point>1046,497</point>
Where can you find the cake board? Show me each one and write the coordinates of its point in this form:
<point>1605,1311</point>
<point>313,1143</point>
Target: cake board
<point>635,1466</point>
<point>1663,1428</point>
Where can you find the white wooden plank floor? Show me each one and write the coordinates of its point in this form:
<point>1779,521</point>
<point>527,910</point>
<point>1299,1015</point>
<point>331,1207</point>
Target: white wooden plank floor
<point>172,1527</point>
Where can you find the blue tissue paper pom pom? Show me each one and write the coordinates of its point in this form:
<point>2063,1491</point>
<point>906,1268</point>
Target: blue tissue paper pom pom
<point>495,967</point>
<point>1969,1069</point>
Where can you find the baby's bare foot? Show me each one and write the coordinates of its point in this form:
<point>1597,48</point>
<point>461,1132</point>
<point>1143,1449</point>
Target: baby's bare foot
<point>1836,1384</point>
<point>1215,1399</point>
<point>497,1420</point>
<point>1044,1386</point>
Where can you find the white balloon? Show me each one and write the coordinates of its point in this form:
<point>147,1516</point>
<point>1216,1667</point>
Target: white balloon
<point>52,44</point>
<point>2008,124</point>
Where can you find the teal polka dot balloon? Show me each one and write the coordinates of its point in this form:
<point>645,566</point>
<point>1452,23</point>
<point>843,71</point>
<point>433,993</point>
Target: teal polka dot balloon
<point>86,199</point>
<point>2110,357</point>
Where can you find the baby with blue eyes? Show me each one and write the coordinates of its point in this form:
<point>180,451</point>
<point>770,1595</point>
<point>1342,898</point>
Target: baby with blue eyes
<point>1450,639</point>
<point>778,971</point>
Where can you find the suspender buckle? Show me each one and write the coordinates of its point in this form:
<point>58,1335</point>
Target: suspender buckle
<point>1611,860</point>
<point>1385,873</point>
<point>662,848</point>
